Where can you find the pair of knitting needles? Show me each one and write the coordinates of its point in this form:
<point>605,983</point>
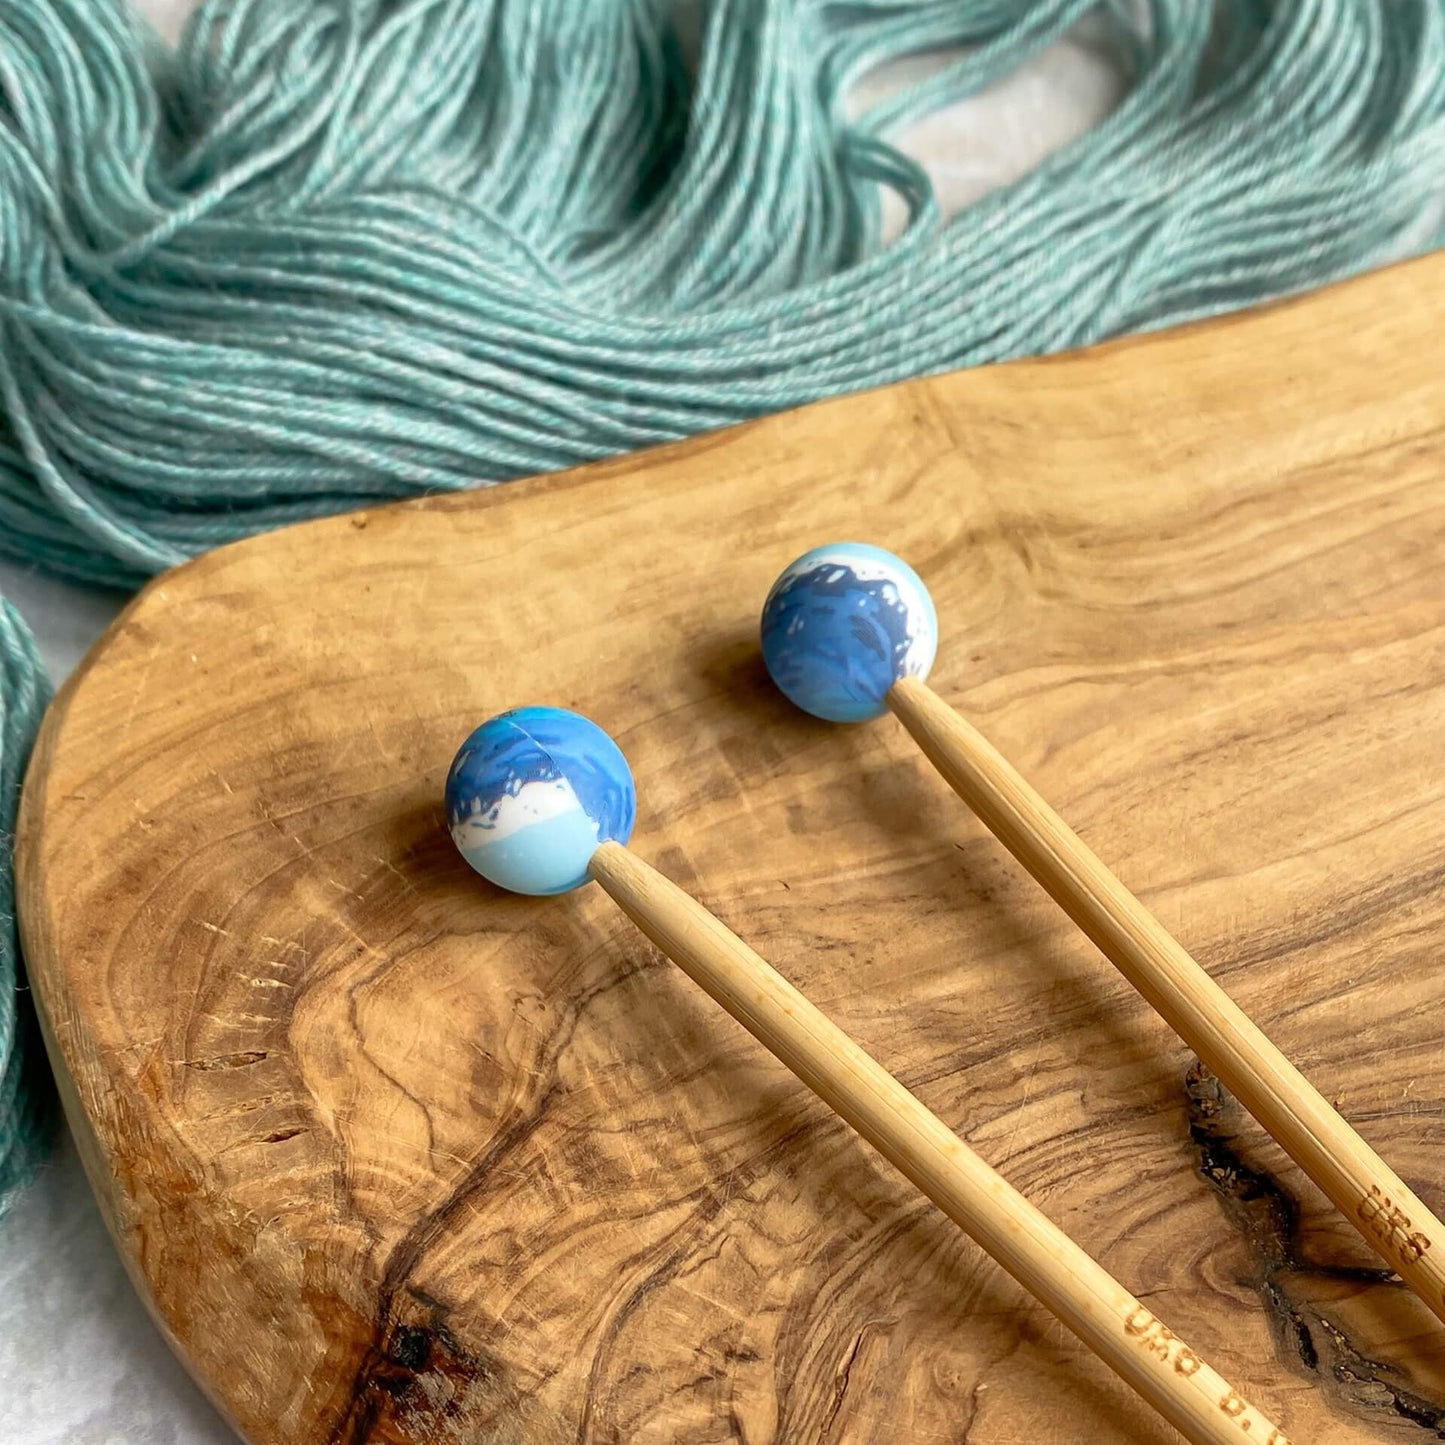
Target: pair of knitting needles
<point>541,800</point>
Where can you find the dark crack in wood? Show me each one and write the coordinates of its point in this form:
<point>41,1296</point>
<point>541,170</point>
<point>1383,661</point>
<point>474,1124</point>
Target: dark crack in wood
<point>1267,1216</point>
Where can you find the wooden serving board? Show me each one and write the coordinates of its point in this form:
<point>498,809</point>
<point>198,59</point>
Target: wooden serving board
<point>397,1158</point>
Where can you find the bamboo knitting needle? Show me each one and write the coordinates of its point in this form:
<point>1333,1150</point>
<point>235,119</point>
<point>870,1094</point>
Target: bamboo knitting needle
<point>539,800</point>
<point>1034,1250</point>
<point>850,646</point>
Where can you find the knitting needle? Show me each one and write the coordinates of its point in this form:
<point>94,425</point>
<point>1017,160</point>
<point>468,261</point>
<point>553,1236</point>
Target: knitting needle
<point>541,800</point>
<point>849,632</point>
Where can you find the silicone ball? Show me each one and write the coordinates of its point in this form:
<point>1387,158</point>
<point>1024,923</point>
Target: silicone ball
<point>531,795</point>
<point>844,623</point>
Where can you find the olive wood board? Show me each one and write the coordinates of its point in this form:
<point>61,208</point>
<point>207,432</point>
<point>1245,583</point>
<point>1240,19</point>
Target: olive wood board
<point>394,1157</point>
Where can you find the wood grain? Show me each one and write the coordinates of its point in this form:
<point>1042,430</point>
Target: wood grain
<point>1390,1218</point>
<point>396,1158</point>
<point>1140,1348</point>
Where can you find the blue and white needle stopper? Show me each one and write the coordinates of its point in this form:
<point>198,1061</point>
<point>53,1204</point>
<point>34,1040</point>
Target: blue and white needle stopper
<point>844,623</point>
<point>532,794</point>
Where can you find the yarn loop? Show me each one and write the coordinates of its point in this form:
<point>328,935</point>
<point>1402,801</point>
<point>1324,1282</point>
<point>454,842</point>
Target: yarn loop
<point>27,1101</point>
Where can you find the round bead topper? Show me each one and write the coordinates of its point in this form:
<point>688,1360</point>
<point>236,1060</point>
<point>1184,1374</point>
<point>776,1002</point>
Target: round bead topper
<point>842,625</point>
<point>531,795</point>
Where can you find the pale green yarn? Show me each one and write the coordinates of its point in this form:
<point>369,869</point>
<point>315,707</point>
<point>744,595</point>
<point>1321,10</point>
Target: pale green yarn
<point>27,1102</point>
<point>341,250</point>
<point>366,248</point>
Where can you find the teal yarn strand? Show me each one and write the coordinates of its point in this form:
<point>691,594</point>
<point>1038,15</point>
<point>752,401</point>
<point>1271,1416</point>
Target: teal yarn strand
<point>346,250</point>
<point>27,1102</point>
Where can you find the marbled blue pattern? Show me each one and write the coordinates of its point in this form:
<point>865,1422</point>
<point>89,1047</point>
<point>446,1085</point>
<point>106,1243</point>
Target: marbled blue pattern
<point>532,793</point>
<point>842,624</point>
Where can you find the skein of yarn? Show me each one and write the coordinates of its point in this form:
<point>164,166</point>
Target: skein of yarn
<point>27,1103</point>
<point>329,253</point>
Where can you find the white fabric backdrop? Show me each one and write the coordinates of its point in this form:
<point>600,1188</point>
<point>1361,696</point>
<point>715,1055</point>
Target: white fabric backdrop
<point>80,1362</point>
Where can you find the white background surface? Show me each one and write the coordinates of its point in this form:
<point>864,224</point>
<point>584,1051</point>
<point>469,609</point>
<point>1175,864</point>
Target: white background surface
<point>80,1362</point>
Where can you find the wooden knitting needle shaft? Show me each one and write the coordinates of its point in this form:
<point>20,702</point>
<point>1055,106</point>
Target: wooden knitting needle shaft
<point>1043,1259</point>
<point>1362,1186</point>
